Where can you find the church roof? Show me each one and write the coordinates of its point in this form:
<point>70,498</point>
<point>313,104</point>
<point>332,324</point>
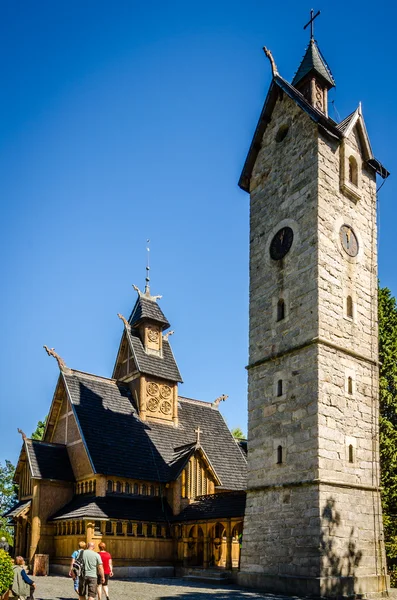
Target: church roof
<point>326,125</point>
<point>152,364</point>
<point>147,308</point>
<point>122,445</point>
<point>48,461</point>
<point>143,508</point>
<point>313,61</point>
<point>215,506</point>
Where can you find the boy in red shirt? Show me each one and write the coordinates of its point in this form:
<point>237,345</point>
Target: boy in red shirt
<point>107,569</point>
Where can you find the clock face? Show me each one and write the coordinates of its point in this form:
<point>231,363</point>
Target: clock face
<point>281,243</point>
<point>348,240</point>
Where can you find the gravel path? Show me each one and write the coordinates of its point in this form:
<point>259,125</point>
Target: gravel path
<point>61,588</point>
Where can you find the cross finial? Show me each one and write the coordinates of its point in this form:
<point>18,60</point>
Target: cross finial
<point>311,22</point>
<point>197,432</point>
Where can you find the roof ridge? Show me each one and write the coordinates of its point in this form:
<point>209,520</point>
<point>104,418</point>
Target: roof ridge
<point>194,401</point>
<point>94,376</point>
<point>43,443</point>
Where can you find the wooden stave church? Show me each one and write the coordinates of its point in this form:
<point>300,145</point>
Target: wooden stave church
<point>128,461</point>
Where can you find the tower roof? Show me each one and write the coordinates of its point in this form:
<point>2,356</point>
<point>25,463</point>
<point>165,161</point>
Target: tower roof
<point>146,308</point>
<point>313,62</point>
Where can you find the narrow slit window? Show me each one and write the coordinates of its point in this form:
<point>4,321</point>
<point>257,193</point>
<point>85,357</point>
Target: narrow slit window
<point>353,170</point>
<point>280,310</point>
<point>349,307</point>
<point>279,455</point>
<point>351,454</point>
<point>280,387</point>
<point>349,385</point>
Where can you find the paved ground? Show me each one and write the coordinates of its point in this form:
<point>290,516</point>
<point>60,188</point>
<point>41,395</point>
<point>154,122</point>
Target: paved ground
<point>61,588</point>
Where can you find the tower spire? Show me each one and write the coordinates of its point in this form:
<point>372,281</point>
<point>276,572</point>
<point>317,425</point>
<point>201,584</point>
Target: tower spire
<point>147,280</point>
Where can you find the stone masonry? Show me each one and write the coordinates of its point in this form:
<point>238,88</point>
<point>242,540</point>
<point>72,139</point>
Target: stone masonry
<point>313,521</point>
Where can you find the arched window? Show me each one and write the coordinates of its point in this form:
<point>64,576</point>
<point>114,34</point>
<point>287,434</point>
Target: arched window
<point>280,387</point>
<point>158,531</point>
<point>119,487</point>
<point>349,385</point>
<point>151,490</point>
<point>97,528</point>
<point>139,530</point>
<point>144,490</point>
<point>119,528</point>
<point>279,455</point>
<point>351,455</point>
<point>94,486</point>
<point>130,530</point>
<point>110,486</point>
<point>86,487</point>
<point>127,488</point>
<point>157,491</point>
<point>150,530</point>
<point>136,488</point>
<point>353,170</point>
<point>109,528</point>
<point>280,310</point>
<point>349,307</point>
<point>90,487</point>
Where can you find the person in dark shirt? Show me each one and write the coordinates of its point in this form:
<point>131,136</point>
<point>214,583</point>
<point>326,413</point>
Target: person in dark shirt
<point>22,586</point>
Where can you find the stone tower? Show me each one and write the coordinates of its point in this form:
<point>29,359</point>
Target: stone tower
<point>313,522</point>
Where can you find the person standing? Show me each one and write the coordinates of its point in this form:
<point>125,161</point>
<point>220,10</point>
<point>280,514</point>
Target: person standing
<point>22,586</point>
<point>72,571</point>
<point>4,544</point>
<point>93,569</point>
<point>107,570</point>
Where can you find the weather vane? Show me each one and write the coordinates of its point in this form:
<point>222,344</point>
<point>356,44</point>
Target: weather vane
<point>312,17</point>
<point>147,286</point>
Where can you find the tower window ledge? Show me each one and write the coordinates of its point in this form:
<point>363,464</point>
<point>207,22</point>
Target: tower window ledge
<point>351,190</point>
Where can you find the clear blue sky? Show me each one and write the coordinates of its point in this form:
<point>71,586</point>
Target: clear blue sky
<point>128,120</point>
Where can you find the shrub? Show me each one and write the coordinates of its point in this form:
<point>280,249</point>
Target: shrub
<point>6,572</point>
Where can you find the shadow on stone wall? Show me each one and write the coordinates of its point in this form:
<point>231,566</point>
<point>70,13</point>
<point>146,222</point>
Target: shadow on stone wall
<point>339,563</point>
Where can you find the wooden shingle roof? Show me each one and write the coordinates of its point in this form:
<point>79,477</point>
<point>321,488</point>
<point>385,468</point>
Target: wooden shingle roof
<point>120,444</point>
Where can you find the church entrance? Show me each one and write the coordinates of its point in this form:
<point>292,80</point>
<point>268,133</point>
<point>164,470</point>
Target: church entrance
<point>218,546</point>
<point>196,546</point>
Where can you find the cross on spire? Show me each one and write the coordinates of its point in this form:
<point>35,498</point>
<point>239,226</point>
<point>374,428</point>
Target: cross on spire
<point>312,17</point>
<point>197,432</point>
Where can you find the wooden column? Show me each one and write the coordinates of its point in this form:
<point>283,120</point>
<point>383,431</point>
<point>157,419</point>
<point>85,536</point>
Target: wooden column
<point>185,547</point>
<point>175,405</point>
<point>36,523</point>
<point>142,398</point>
<point>89,531</point>
<point>135,529</point>
<point>229,546</point>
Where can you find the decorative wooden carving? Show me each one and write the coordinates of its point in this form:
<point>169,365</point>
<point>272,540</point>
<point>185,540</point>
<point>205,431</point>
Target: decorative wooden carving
<point>272,61</point>
<point>146,293</point>
<point>22,433</point>
<point>60,361</point>
<point>217,401</point>
<point>167,335</point>
<point>126,324</point>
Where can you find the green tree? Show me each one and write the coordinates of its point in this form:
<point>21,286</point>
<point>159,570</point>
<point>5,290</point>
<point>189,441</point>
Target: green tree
<point>8,497</point>
<point>388,420</point>
<point>38,434</point>
<point>238,434</point>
